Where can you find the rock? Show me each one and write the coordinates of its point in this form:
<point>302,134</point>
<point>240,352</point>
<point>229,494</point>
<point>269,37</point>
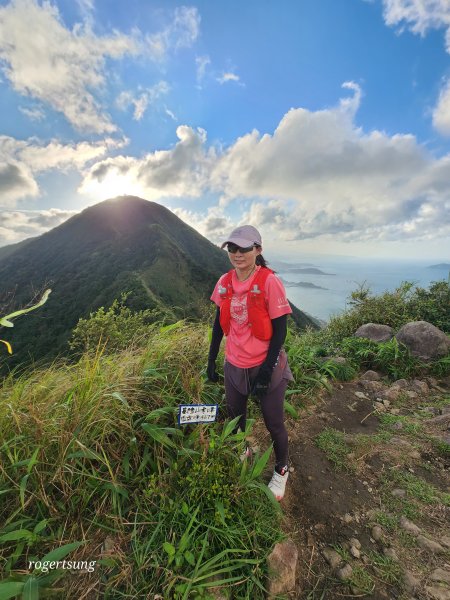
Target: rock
<point>291,469</point>
<point>398,493</point>
<point>379,406</point>
<point>440,575</point>
<point>375,332</point>
<point>429,545</point>
<point>437,593</point>
<point>355,552</point>
<point>332,557</point>
<point>425,341</point>
<point>401,383</point>
<point>395,411</point>
<point>409,526</point>
<point>347,518</point>
<point>372,386</point>
<point>361,395</point>
<point>392,393</point>
<point>391,553</point>
<point>355,542</point>
<point>282,563</point>
<point>412,395</point>
<point>411,582</point>
<point>377,533</point>
<point>345,572</point>
<point>421,387</point>
<point>434,410</point>
<point>371,376</point>
<point>415,454</point>
<point>386,403</point>
<point>445,541</point>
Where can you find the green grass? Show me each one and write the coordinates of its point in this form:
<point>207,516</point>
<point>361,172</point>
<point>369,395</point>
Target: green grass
<point>332,443</point>
<point>92,450</point>
<point>386,569</point>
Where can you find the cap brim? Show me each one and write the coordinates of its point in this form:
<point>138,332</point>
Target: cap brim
<point>239,242</point>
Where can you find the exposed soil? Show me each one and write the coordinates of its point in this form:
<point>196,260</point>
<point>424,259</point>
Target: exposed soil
<point>326,505</point>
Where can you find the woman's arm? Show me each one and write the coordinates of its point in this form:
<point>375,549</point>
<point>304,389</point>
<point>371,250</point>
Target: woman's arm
<point>217,335</point>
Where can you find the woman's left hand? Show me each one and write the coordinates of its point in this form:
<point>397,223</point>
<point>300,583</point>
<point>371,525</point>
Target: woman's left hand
<point>262,381</point>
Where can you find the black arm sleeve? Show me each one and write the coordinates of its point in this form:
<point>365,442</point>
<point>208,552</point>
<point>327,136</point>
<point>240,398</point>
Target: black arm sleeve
<point>217,335</point>
<point>279,326</point>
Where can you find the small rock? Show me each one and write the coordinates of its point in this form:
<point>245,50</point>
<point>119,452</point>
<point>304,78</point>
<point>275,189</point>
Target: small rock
<point>355,542</point>
<point>371,376</point>
<point>355,552</point>
<point>380,407</point>
<point>282,563</point>
<point>391,553</point>
<point>291,469</point>
<point>373,386</point>
<point>386,403</point>
<point>309,478</point>
<point>401,383</point>
<point>377,533</point>
<point>347,518</point>
<point>365,559</point>
<point>392,393</point>
<point>440,575</point>
<point>421,387</point>
<point>398,493</point>
<point>437,593</point>
<point>429,545</point>
<point>345,572</point>
<point>361,395</point>
<point>431,409</point>
<point>415,454</point>
<point>411,582</point>
<point>332,557</point>
<point>412,394</point>
<point>409,526</point>
<point>395,411</point>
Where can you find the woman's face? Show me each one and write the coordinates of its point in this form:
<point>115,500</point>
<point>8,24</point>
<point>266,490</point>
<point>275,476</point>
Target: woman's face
<point>244,260</point>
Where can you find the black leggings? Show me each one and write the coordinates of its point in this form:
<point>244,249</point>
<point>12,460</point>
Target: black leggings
<point>272,407</point>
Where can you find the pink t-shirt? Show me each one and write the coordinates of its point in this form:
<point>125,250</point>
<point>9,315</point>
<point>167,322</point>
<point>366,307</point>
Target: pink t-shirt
<point>242,348</point>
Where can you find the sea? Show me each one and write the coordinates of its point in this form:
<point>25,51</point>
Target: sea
<point>336,277</point>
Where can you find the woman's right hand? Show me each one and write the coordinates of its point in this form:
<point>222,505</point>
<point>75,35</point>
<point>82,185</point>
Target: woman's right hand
<point>211,371</point>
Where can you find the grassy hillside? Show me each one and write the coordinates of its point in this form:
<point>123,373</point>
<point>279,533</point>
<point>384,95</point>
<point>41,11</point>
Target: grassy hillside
<point>93,466</point>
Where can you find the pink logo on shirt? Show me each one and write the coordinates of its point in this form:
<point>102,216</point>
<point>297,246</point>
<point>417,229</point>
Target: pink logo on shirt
<point>238,309</point>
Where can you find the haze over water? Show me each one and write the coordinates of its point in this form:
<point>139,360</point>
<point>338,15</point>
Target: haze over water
<point>344,275</point>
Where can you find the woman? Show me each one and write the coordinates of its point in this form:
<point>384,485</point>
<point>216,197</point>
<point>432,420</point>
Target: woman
<point>252,311</point>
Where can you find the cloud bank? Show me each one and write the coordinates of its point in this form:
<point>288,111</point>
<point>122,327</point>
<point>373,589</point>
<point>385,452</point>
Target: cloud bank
<point>318,174</point>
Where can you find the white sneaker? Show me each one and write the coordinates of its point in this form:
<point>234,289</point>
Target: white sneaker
<point>277,484</point>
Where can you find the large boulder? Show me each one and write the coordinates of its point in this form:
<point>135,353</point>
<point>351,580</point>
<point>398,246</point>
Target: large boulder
<point>425,341</point>
<point>375,332</point>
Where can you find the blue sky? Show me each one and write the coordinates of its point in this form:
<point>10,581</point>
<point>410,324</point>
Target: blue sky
<point>324,123</point>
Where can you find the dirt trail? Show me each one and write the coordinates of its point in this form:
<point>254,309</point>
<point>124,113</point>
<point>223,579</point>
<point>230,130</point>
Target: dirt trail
<point>327,505</point>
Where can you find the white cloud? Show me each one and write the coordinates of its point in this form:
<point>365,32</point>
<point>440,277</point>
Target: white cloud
<point>317,175</point>
<point>18,225</point>
<point>227,77</point>
<point>66,69</point>
<point>202,63</point>
<point>181,32</point>
<point>141,101</point>
<point>419,16</point>
<point>24,159</point>
<point>34,114</point>
<point>60,67</point>
<point>181,171</point>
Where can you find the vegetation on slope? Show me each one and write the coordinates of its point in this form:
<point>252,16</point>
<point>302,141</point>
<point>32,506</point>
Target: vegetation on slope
<point>92,460</point>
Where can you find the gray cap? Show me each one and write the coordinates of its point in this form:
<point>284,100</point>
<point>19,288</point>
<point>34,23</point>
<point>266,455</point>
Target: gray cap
<point>244,236</point>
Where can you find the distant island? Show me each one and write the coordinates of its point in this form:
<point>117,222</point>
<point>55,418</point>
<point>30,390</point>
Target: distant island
<point>308,270</point>
<point>305,284</point>
<point>440,266</point>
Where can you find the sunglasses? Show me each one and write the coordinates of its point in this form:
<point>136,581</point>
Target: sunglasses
<point>232,249</point>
